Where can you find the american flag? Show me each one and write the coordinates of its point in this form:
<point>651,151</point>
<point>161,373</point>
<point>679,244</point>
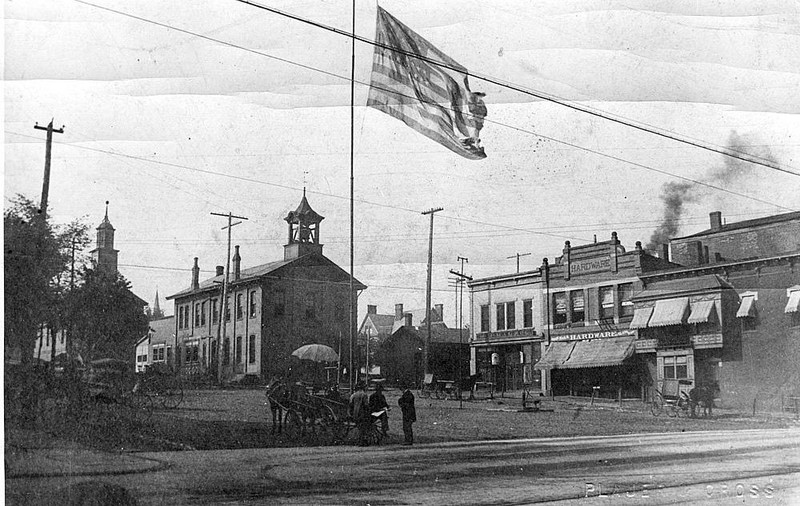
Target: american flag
<point>434,100</point>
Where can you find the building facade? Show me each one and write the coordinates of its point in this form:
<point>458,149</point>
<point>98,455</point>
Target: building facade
<point>270,310</point>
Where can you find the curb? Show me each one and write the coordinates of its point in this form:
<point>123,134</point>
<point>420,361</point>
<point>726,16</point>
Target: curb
<point>155,466</point>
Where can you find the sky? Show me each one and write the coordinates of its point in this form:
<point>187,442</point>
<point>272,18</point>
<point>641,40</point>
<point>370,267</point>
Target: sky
<point>174,110</point>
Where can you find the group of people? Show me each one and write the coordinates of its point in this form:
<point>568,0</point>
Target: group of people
<point>362,407</point>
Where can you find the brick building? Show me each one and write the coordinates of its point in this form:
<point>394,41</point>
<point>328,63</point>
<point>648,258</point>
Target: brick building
<point>272,308</point>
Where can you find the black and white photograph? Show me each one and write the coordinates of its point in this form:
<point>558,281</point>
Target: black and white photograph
<point>397,252</point>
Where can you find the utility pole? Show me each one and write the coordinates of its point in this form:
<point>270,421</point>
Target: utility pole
<point>48,148</point>
<point>462,278</point>
<point>427,343</point>
<point>518,255</point>
<point>223,324</point>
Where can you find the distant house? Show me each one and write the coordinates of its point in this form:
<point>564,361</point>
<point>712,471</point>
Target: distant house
<point>401,353</point>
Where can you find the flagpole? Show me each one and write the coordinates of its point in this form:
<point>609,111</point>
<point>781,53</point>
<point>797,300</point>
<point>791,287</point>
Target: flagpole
<point>352,142</point>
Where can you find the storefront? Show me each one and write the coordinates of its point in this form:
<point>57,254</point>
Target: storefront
<point>509,365</point>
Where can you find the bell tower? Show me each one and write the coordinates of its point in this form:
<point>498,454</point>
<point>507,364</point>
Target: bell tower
<point>104,254</point>
<point>303,231</point>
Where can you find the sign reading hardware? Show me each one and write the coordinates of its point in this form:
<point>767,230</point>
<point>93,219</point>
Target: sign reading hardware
<point>593,335</point>
<point>590,265</point>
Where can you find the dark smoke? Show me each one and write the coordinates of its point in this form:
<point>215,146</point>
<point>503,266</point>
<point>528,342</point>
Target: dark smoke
<point>674,195</point>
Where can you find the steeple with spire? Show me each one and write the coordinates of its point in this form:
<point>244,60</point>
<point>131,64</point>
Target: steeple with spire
<point>104,254</point>
<point>303,231</point>
<point>157,312</point>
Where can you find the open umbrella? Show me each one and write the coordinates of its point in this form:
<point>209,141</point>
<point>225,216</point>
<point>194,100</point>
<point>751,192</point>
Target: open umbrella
<point>316,353</point>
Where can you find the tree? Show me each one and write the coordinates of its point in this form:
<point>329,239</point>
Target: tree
<point>106,317</point>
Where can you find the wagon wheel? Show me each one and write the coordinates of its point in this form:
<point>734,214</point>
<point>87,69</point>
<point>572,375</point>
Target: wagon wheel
<point>656,408</point>
<point>172,395</point>
<point>672,410</point>
<point>294,424</point>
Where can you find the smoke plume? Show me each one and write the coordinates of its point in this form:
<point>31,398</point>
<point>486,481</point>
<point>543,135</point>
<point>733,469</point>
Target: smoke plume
<point>674,195</point>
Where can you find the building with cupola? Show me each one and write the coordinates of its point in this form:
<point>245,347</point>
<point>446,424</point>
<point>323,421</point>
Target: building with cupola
<point>270,310</point>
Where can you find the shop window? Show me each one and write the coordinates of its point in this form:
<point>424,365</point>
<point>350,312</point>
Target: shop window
<point>239,306</point>
<point>676,367</point>
<point>578,307</point>
<point>500,310</point>
<point>252,312</point>
<point>606,300</point>
<point>625,299</point>
<point>238,349</point>
<point>485,318</point>
<point>559,308</point>
<point>251,349</point>
<point>527,313</point>
<point>511,309</point>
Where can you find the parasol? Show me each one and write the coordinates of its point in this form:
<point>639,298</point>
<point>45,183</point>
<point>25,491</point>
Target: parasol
<point>316,353</point>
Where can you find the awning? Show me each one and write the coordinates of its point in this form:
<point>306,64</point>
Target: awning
<point>701,311</point>
<point>794,302</point>
<point>669,312</point>
<point>600,352</point>
<point>555,355</point>
<point>641,316</point>
<point>746,307</point>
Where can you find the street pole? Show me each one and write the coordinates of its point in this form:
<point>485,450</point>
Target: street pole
<point>517,256</point>
<point>48,148</point>
<point>462,278</point>
<point>222,321</point>
<point>427,341</point>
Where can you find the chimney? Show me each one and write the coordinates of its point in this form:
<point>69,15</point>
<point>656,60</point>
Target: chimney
<point>716,220</point>
<point>439,308</point>
<point>220,270</point>
<point>237,264</point>
<point>398,311</point>
<point>665,251</point>
<point>372,309</point>
<point>409,319</point>
<point>195,276</point>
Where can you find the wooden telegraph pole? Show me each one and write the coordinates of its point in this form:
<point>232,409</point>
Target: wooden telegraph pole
<point>48,148</point>
<point>517,256</point>
<point>427,343</point>
<point>223,324</point>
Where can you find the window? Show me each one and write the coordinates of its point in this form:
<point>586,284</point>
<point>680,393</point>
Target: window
<point>238,349</point>
<point>203,308</point>
<point>527,313</point>
<point>227,309</point>
<point>214,312</point>
<point>675,367</point>
<point>310,311</point>
<point>559,308</point>
<point>625,303</point>
<point>606,303</point>
<point>578,306</point>
<point>251,349</point>
<point>485,318</point>
<point>226,351</point>
<point>197,314</point>
<point>501,316</point>
<point>180,317</point>
<point>204,353</point>
<point>793,305</point>
<point>169,354</point>
<point>511,308</point>
<point>279,303</point>
<point>239,306</point>
<point>252,312</point>
<point>62,336</point>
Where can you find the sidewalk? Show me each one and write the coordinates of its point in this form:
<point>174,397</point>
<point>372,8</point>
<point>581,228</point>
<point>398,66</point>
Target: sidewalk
<point>32,454</point>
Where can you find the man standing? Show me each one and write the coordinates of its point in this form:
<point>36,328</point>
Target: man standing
<point>377,402</point>
<point>359,411</point>
<point>406,403</point>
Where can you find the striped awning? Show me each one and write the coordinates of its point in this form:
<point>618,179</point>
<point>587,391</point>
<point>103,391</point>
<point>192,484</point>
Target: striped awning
<point>794,302</point>
<point>641,316</point>
<point>669,312</point>
<point>746,307</point>
<point>701,311</point>
<point>555,355</point>
<point>604,352</point>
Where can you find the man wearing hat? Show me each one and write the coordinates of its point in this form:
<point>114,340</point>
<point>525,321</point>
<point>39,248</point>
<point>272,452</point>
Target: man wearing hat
<point>377,402</point>
<point>359,411</point>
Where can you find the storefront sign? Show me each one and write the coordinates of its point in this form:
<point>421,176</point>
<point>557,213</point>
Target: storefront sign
<point>594,335</point>
<point>590,265</point>
<point>646,345</point>
<point>707,341</point>
<point>505,334</point>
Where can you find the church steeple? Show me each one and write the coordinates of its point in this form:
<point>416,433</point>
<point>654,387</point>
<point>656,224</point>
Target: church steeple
<point>303,231</point>
<point>157,312</point>
<point>104,254</point>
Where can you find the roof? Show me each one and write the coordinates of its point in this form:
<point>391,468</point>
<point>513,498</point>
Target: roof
<point>673,287</point>
<point>757,222</point>
<point>162,329</point>
<point>304,213</point>
<point>253,273</point>
<point>382,322</point>
<point>440,333</point>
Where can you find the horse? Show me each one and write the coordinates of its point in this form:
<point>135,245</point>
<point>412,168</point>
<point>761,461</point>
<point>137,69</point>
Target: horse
<point>468,385</point>
<point>277,392</point>
<point>703,395</point>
